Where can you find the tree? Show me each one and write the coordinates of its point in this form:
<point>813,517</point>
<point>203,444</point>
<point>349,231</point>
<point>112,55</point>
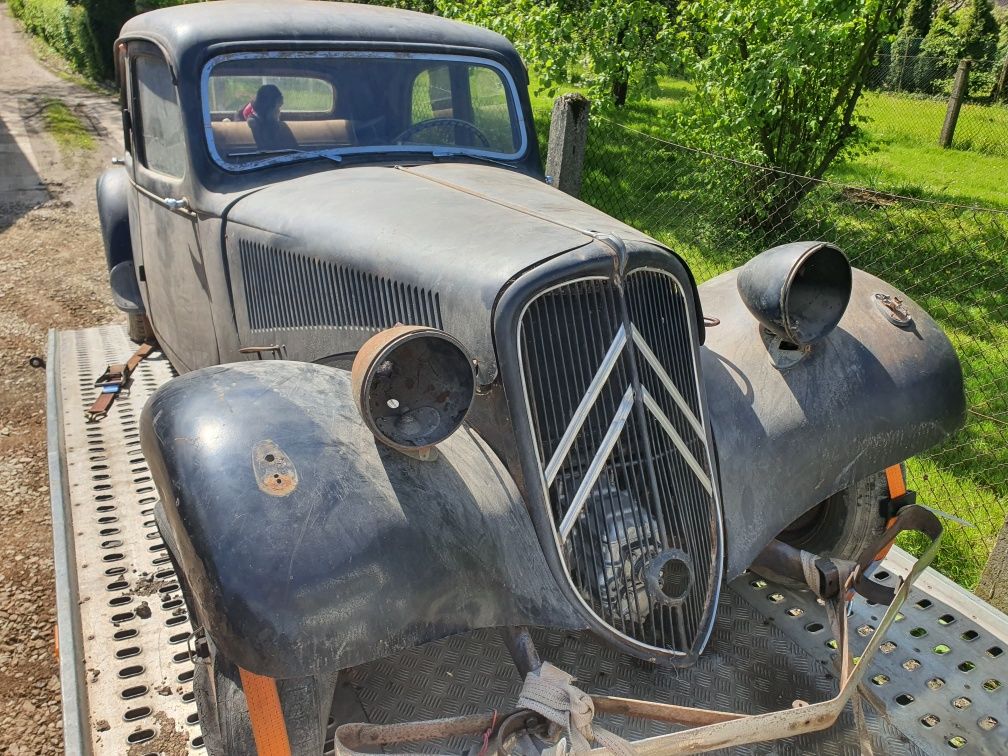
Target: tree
<point>940,51</point>
<point>916,25</point>
<point>977,30</point>
<point>778,84</point>
<point>610,48</point>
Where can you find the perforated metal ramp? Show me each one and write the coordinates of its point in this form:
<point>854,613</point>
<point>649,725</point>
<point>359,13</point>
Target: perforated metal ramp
<point>939,684</point>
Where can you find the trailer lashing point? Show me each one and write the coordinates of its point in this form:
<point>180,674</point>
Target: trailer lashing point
<point>938,684</point>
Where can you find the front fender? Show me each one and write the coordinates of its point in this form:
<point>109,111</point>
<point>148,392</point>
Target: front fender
<point>306,546</point>
<point>869,395</point>
<point>111,190</point>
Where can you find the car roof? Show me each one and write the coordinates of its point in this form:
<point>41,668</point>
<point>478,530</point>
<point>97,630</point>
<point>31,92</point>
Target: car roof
<point>186,32</point>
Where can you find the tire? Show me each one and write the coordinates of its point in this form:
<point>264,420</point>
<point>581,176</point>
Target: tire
<point>139,328</point>
<point>845,523</point>
<point>224,715</point>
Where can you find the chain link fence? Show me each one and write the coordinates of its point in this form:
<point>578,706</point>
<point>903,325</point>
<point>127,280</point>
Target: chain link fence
<point>907,95</point>
<point>952,259</point>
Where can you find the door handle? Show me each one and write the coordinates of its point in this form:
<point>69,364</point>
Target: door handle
<point>176,204</point>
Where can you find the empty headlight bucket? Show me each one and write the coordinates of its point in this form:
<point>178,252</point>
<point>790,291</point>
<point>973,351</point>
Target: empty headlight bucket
<point>413,386</point>
<point>797,291</point>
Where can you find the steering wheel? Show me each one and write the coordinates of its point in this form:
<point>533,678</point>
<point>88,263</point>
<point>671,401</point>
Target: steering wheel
<point>434,123</point>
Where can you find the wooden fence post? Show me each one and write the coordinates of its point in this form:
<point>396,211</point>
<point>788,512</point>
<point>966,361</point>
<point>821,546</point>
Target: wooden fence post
<point>960,85</point>
<point>568,138</point>
<point>1002,82</point>
<point>993,587</point>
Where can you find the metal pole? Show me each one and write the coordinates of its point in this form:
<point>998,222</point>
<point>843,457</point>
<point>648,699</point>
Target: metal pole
<point>960,85</point>
<point>568,139</point>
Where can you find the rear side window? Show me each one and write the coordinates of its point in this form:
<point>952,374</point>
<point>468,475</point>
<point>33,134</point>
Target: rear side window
<point>160,117</point>
<point>228,95</point>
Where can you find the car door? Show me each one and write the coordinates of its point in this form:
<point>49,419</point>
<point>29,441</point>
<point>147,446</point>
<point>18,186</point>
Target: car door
<point>172,274</point>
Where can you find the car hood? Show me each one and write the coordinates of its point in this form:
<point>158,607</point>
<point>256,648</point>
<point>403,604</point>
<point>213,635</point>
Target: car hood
<point>453,234</point>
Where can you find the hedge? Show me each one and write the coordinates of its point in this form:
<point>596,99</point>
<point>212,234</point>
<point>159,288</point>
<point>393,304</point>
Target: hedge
<point>82,31</point>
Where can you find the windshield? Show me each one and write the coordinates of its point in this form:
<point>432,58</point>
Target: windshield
<point>263,108</point>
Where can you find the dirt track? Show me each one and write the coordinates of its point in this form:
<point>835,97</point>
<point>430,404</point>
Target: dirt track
<point>52,275</point>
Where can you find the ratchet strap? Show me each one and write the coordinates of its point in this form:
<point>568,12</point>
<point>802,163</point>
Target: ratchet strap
<point>899,497</point>
<point>265,714</point>
<point>113,380</point>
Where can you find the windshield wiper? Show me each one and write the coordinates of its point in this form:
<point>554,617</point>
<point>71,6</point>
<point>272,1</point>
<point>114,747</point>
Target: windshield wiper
<point>286,151</point>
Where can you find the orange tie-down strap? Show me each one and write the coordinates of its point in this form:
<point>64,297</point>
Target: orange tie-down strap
<point>897,488</point>
<point>268,726</point>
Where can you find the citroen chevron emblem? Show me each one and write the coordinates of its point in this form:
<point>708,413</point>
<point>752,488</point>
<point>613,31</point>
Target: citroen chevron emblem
<point>633,394</point>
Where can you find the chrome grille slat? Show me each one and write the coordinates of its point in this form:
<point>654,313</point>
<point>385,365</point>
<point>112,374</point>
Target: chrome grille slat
<point>611,387</point>
<point>581,413</point>
<point>666,424</point>
<point>666,379</point>
<point>595,468</point>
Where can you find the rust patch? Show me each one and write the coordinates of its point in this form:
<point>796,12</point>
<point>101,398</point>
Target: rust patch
<point>274,471</point>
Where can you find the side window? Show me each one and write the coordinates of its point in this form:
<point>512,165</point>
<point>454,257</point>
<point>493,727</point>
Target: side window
<point>160,119</point>
<point>491,112</point>
<point>432,95</point>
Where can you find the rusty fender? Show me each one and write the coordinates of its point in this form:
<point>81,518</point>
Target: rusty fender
<point>306,546</point>
<point>793,427</point>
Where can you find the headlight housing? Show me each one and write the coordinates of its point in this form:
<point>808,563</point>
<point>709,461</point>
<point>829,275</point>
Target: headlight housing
<point>413,386</point>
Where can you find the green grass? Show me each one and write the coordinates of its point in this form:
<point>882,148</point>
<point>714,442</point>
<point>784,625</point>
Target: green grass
<point>904,155</point>
<point>952,260</point>
<point>66,128</point>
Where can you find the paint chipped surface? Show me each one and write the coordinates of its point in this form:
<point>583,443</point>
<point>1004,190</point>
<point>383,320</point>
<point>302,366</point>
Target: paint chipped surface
<point>274,472</point>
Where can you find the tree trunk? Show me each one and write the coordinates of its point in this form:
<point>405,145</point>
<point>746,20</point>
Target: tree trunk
<point>619,91</point>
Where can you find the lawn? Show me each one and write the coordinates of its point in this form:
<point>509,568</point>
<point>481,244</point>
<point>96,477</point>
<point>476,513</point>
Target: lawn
<point>953,260</point>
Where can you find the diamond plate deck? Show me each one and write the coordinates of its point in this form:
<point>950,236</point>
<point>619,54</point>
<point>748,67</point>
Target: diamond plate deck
<point>939,684</point>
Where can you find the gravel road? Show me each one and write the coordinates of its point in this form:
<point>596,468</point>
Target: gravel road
<point>52,274</point>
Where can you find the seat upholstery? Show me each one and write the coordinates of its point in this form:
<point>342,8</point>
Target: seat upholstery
<point>237,136</point>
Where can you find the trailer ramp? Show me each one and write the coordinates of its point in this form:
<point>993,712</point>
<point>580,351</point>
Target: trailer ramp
<point>939,684</point>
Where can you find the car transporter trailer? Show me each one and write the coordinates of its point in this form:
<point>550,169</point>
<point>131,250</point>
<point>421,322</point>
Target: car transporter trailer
<point>938,684</point>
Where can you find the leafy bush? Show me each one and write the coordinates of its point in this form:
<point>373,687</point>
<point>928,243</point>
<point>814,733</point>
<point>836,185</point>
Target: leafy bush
<point>609,47</point>
<point>64,28</point>
<point>777,83</point>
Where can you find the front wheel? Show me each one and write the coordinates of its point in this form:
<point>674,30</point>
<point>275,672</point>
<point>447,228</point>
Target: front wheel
<point>845,523</point>
<point>223,709</point>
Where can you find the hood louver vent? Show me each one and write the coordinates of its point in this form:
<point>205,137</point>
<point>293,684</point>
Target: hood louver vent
<point>285,290</point>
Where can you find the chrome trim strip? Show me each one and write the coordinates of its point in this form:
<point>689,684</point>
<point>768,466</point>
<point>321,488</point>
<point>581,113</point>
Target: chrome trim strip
<point>666,425</point>
<point>595,468</point>
<point>666,379</point>
<point>581,413</point>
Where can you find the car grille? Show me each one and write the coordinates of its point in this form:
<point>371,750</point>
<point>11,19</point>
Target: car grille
<point>611,388</point>
<point>285,290</point>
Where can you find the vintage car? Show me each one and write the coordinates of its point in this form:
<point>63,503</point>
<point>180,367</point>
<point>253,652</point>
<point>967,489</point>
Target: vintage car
<point>423,392</point>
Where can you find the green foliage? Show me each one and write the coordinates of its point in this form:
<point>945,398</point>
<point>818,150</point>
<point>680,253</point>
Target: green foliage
<point>977,30</point>
<point>942,45</point>
<point>610,49</point>
<point>63,27</point>
<point>81,31</point>
<point>917,20</point>
<point>778,82</point>
<point>916,24</point>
